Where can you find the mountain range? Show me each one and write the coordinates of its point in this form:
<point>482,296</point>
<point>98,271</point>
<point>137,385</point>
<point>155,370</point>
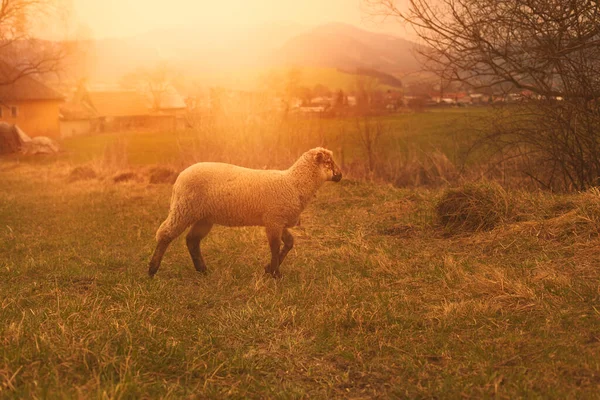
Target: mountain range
<point>197,52</point>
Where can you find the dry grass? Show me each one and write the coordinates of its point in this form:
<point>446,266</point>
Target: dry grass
<point>82,172</point>
<point>376,301</point>
<point>570,216</point>
<point>159,174</point>
<point>473,207</point>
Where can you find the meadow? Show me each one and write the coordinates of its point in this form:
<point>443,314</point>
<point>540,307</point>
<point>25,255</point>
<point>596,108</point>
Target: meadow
<point>379,299</point>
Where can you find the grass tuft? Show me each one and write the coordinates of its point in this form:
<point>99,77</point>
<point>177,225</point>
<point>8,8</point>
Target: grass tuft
<point>161,174</point>
<point>82,173</point>
<point>472,207</point>
<point>125,176</point>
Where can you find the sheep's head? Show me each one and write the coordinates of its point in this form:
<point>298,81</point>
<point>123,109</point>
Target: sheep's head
<point>323,158</point>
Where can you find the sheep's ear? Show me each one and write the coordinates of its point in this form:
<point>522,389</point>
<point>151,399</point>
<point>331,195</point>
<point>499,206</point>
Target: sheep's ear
<point>319,157</point>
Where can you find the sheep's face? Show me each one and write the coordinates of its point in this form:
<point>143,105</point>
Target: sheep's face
<point>328,168</point>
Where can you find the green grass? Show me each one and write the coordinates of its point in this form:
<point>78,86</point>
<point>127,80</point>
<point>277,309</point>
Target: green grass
<point>376,300</point>
<point>445,130</point>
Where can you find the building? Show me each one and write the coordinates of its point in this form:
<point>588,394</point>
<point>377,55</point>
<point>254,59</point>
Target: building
<point>119,110</point>
<point>32,106</point>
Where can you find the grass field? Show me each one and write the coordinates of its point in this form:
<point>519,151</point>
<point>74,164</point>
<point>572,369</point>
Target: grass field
<point>444,130</point>
<point>377,300</point>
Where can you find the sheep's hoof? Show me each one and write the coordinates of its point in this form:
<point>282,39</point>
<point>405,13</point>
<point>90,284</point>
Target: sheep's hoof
<point>275,274</point>
<point>152,271</point>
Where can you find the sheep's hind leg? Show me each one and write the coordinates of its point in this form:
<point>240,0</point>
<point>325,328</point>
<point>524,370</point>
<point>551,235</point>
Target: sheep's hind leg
<point>198,232</point>
<point>274,237</point>
<point>169,230</point>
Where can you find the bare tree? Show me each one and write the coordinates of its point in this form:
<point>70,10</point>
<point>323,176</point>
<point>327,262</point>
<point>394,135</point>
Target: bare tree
<point>546,50</point>
<point>21,52</point>
<point>287,85</point>
<point>155,81</point>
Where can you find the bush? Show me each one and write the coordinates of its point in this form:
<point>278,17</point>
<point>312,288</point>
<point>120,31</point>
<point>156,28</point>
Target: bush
<point>472,207</point>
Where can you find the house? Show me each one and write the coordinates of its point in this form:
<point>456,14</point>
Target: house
<point>118,110</point>
<point>31,105</point>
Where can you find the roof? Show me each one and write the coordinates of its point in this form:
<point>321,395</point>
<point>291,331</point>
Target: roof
<point>118,104</point>
<point>24,88</point>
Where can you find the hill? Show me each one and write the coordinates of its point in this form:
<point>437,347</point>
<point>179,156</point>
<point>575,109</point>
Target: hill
<point>199,54</point>
<point>348,47</point>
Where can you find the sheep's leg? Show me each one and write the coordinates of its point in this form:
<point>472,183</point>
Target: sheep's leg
<point>169,230</point>
<point>274,237</point>
<point>288,243</point>
<point>198,232</point>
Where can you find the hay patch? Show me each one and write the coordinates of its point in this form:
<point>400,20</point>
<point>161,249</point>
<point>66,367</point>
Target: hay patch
<point>162,175</point>
<point>82,173</point>
<point>472,207</point>
<point>126,176</point>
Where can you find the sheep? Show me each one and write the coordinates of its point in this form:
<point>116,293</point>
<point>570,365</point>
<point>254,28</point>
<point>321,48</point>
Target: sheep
<point>210,193</point>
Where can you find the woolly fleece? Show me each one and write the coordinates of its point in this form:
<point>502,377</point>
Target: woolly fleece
<point>229,195</point>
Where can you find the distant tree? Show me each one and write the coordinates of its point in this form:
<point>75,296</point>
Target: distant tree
<point>155,81</point>
<point>421,88</point>
<point>287,86</point>
<point>305,94</point>
<point>341,99</point>
<point>321,90</point>
<point>21,52</point>
<point>366,88</point>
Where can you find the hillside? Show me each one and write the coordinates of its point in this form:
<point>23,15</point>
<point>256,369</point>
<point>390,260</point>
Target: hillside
<point>245,54</point>
<point>345,46</point>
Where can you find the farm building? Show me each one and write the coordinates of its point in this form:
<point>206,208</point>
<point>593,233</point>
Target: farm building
<point>119,110</point>
<point>31,105</point>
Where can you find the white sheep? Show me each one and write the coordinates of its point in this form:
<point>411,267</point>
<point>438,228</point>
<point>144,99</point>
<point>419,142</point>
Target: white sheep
<point>214,193</point>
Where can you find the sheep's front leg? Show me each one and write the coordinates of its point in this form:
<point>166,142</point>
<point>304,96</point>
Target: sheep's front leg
<point>288,243</point>
<point>198,232</point>
<point>274,237</point>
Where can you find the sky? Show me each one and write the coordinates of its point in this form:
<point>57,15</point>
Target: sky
<point>117,18</point>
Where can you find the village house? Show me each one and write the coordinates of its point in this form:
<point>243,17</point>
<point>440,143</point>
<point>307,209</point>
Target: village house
<point>119,110</point>
<point>32,106</point>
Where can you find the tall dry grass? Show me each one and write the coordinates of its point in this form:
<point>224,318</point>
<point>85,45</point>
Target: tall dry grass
<point>416,150</point>
<point>255,137</point>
